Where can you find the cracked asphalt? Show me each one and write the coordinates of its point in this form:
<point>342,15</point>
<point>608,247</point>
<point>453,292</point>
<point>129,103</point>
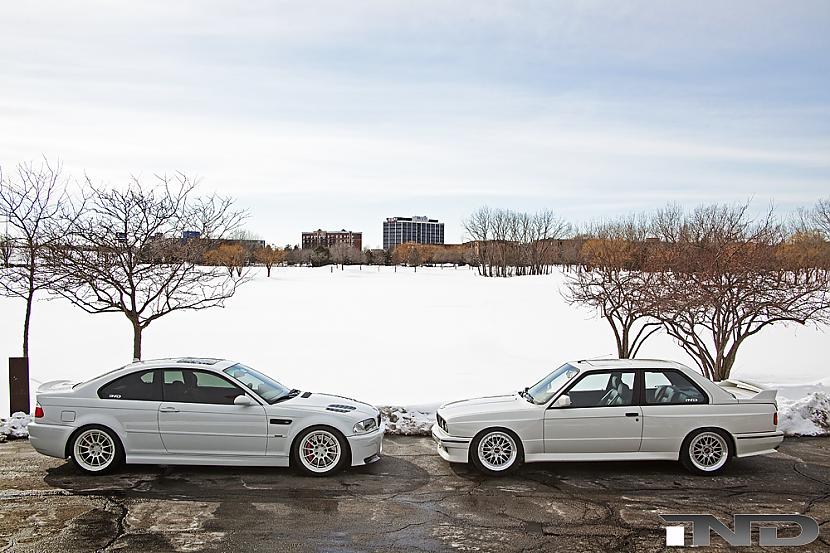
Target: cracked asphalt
<point>409,501</point>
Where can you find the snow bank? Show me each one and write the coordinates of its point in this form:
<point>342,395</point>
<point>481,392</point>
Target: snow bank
<point>808,416</point>
<point>408,421</point>
<point>15,427</point>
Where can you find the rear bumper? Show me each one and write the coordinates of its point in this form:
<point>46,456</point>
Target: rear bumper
<point>757,443</point>
<point>49,439</point>
<point>366,448</point>
<point>451,448</point>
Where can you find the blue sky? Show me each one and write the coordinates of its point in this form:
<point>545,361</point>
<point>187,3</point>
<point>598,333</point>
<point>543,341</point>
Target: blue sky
<point>336,115</point>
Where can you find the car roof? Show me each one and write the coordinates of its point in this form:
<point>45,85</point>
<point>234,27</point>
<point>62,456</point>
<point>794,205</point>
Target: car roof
<point>628,364</point>
<point>184,362</point>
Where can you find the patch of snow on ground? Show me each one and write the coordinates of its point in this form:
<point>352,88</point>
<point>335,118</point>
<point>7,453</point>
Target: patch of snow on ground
<point>409,421</point>
<point>15,426</point>
<point>808,416</point>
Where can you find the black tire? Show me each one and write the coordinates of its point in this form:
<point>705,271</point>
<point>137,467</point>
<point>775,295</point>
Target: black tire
<point>303,466</point>
<point>83,435</point>
<point>498,435</point>
<point>706,451</point>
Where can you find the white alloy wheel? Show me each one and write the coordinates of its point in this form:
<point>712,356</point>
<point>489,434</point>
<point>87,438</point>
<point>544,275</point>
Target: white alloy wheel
<point>708,451</point>
<point>320,451</point>
<point>94,450</point>
<point>497,451</point>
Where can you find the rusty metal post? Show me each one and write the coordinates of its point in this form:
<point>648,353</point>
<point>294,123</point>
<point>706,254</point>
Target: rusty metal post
<point>19,384</point>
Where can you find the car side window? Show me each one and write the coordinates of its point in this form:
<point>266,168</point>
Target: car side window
<point>609,389</point>
<point>137,386</point>
<point>194,386</point>
<point>671,388</point>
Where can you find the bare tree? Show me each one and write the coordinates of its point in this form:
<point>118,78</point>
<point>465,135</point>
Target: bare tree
<point>231,256</point>
<point>6,250</point>
<point>821,217</point>
<point>33,203</point>
<point>613,279</point>
<point>342,253</point>
<point>269,256</point>
<point>509,243</point>
<point>413,259</point>
<point>137,251</point>
<point>724,277</point>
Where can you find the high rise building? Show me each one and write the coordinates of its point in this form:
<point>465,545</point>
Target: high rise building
<point>421,230</point>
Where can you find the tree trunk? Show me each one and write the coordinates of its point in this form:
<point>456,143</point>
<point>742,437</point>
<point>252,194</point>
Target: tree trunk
<point>268,273</point>
<point>26,322</point>
<point>136,340</point>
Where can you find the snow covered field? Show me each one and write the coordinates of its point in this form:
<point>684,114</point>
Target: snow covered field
<point>390,338</point>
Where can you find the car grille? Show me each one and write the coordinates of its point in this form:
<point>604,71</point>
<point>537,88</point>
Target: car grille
<point>442,424</point>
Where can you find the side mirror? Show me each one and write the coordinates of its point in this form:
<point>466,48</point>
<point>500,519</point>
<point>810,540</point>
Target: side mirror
<point>243,400</point>
<point>562,401</point>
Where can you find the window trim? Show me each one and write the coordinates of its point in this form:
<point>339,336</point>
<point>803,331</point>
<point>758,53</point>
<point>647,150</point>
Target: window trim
<point>635,389</point>
<point>217,374</point>
<point>158,389</point>
<point>673,370</point>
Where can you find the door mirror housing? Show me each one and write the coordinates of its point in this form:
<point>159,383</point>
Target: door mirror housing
<point>562,401</point>
<point>243,400</point>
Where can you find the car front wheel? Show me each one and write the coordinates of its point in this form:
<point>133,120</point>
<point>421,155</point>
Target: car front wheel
<point>96,450</point>
<point>319,451</point>
<point>706,451</point>
<point>496,452</point>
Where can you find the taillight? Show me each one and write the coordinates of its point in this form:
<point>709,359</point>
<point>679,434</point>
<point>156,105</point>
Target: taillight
<point>38,411</point>
<point>775,419</point>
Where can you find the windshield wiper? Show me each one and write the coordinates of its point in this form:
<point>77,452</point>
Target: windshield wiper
<point>525,394</point>
<point>293,393</point>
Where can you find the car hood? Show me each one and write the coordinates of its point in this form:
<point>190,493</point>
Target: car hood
<point>489,404</point>
<point>328,403</point>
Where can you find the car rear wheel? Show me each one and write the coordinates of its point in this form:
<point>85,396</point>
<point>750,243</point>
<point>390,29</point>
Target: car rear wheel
<point>706,451</point>
<point>96,450</point>
<point>319,451</point>
<point>496,451</point>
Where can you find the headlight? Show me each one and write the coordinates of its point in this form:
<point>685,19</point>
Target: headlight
<point>365,426</point>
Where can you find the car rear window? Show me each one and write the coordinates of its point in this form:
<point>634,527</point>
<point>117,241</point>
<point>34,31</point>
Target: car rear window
<point>137,386</point>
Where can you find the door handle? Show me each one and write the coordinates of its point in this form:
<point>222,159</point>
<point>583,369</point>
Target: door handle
<point>632,414</point>
<point>169,410</point>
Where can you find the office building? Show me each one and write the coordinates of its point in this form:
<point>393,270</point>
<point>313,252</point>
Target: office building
<point>421,230</point>
<point>328,239</point>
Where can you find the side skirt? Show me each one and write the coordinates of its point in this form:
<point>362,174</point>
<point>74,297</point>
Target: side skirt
<point>635,456</point>
<point>211,460</point>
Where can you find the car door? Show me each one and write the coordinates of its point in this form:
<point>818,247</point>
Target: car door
<point>603,416</point>
<point>673,406</point>
<point>133,400</point>
<point>198,416</point>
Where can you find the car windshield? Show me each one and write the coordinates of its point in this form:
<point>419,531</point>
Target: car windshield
<point>264,386</point>
<point>542,391</point>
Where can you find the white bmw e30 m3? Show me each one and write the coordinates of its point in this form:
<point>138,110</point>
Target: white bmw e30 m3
<point>613,410</point>
<point>190,411</point>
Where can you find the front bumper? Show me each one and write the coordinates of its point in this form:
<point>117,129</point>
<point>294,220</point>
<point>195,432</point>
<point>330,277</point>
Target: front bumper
<point>366,448</point>
<point>49,439</point>
<point>451,448</point>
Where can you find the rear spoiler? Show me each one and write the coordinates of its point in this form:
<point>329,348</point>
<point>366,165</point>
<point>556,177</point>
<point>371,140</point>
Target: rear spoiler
<point>746,391</point>
<point>55,386</point>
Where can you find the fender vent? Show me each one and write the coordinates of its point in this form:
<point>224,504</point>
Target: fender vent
<point>339,408</point>
<point>306,394</point>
